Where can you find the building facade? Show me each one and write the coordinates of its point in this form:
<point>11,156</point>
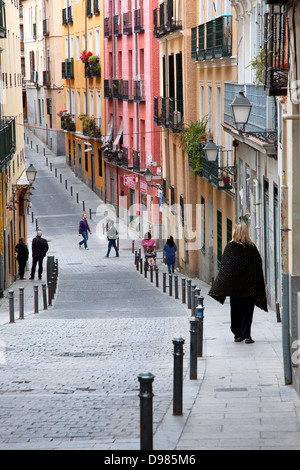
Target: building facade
<point>41,28</point>
<point>13,181</point>
<point>82,70</point>
<point>132,142</point>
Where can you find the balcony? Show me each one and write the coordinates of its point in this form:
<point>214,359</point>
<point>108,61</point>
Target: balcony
<point>127,23</point>
<point>46,78</point>
<point>107,27</point>
<point>276,53</point>
<point>261,126</point>
<point>139,90</point>
<point>2,20</point>
<point>7,141</point>
<point>108,93</point>
<point>138,21</point>
<point>168,113</point>
<point>117,25</point>
<point>91,126</point>
<point>68,69</point>
<point>67,16</point>
<point>165,20</point>
<point>212,40</point>
<point>45,28</point>
<point>123,90</point>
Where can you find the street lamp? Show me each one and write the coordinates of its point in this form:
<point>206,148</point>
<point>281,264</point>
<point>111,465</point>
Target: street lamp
<point>148,176</point>
<point>31,174</point>
<point>240,109</point>
<point>211,151</point>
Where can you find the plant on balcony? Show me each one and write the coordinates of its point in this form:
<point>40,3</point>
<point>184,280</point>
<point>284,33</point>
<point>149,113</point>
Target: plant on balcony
<point>85,56</point>
<point>191,139</point>
<point>89,126</point>
<point>259,66</point>
<point>67,122</point>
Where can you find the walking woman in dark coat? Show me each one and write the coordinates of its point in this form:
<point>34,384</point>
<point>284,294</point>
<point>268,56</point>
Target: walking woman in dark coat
<point>170,249</point>
<point>241,278</point>
<point>22,257</point>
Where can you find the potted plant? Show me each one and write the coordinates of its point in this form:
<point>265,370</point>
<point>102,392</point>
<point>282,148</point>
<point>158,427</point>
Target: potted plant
<point>66,119</point>
<point>259,66</point>
<point>85,56</point>
<point>191,139</point>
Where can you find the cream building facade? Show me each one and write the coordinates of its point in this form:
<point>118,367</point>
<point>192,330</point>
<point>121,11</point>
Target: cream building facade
<point>43,76</point>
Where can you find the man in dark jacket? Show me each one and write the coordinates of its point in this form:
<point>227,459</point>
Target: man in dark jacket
<point>39,250</point>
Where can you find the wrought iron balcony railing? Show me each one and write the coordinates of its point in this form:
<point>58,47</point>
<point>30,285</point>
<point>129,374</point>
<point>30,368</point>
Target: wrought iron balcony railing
<point>213,39</point>
<point>165,20</point>
<point>276,52</point>
<point>127,23</point>
<point>2,20</point>
<point>7,141</point>
<point>68,69</point>
<point>168,112</point>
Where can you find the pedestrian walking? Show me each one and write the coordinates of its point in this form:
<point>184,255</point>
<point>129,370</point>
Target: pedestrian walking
<point>39,250</point>
<point>241,278</point>
<point>22,257</point>
<point>112,236</point>
<point>84,230</point>
<point>170,250</point>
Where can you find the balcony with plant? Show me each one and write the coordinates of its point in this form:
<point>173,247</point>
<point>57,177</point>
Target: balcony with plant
<point>192,139</point>
<point>92,64</point>
<point>91,126</point>
<point>67,121</point>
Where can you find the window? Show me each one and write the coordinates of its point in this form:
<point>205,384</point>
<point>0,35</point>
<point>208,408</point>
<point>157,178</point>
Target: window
<point>78,103</point>
<point>77,48</point>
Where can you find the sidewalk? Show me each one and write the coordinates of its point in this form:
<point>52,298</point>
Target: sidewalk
<point>239,400</point>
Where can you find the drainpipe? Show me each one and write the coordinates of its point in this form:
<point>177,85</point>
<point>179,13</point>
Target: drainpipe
<point>257,214</point>
<point>285,258</point>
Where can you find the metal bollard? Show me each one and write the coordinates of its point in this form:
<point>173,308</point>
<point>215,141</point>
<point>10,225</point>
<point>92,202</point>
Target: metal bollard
<point>156,276</point>
<point>36,224</point>
<point>32,217</point>
<point>66,184</point>
<point>132,246</point>
<point>170,285</point>
<point>141,266</point>
<point>183,289</point>
<point>50,166</point>
<point>145,270</point>
<point>44,296</point>
<point>178,376</point>
<point>189,293</point>
<point>71,190</point>
<point>176,286</point>
<point>83,205</point>
<point>55,172</point>
<point>135,257</point>
<point>137,263</point>
<point>60,178</point>
<point>164,282</point>
<point>21,303</point>
<point>146,412</point>
<point>200,317</point>
<point>11,306</point>
<point>193,348</point>
<point>77,198</point>
<point>193,303</point>
<point>49,293</point>
<point>151,273</point>
<point>53,286</point>
<point>36,299</point>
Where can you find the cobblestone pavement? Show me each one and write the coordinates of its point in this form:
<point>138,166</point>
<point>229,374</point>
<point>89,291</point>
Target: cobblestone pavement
<point>69,375</point>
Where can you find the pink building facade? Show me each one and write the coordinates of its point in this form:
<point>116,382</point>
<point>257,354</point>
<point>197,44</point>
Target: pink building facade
<point>132,141</point>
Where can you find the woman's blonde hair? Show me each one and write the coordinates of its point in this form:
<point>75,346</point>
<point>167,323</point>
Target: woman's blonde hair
<point>241,234</point>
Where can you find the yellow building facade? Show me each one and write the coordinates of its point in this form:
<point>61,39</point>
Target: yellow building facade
<point>13,181</point>
<point>197,56</point>
<point>83,116</point>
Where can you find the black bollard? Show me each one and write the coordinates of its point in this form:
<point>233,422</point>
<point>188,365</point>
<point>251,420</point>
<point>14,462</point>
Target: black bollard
<point>183,290</point>
<point>21,303</point>
<point>200,317</point>
<point>178,376</point>
<point>193,304</point>
<point>156,276</point>
<point>44,287</point>
<point>60,178</point>
<point>193,348</point>
<point>141,266</point>
<point>49,293</point>
<point>189,293</point>
<point>146,413</point>
<point>145,269</point>
<point>135,257</point>
<point>132,245</point>
<point>137,262</point>
<point>164,282</point>
<point>170,285</point>
<point>151,273</point>
<point>36,299</point>
<point>11,306</point>
<point>176,286</point>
